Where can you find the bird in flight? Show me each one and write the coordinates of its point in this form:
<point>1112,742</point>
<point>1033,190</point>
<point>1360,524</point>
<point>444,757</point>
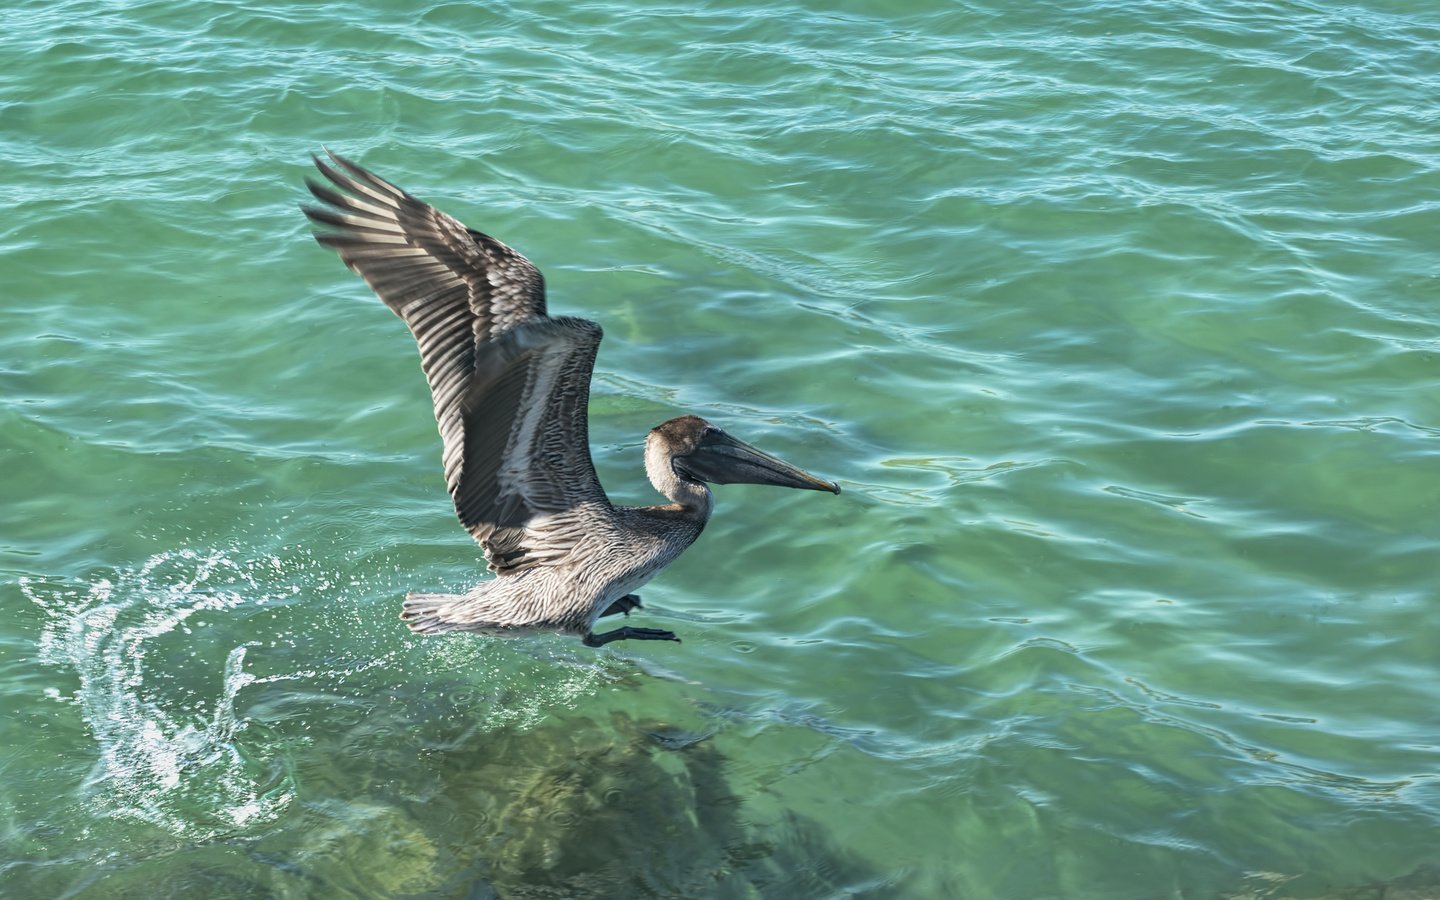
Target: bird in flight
<point>511,387</point>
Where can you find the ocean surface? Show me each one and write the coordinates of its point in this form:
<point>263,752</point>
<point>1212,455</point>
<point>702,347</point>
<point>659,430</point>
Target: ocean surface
<point>1118,323</point>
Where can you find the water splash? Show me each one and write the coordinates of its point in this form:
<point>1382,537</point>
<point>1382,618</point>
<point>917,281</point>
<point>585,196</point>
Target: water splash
<point>169,738</point>
<point>161,654</point>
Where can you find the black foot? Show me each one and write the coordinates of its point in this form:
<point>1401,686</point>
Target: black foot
<point>627,633</point>
<point>623,605</point>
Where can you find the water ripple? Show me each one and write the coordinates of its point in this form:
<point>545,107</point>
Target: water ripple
<point>1116,321</point>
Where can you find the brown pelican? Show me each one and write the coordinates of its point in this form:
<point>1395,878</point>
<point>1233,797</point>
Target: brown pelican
<point>511,386</point>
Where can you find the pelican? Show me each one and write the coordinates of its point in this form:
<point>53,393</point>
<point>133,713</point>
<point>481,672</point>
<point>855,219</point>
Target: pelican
<point>511,386</point>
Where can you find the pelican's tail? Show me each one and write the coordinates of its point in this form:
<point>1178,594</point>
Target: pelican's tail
<point>436,613</point>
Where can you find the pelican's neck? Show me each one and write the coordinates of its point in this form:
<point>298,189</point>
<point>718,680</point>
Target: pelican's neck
<point>691,496</point>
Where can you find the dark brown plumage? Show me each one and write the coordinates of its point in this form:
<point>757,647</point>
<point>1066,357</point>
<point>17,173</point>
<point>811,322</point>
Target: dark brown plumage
<point>511,389</point>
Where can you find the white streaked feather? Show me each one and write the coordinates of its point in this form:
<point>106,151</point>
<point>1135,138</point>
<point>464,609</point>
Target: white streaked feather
<point>477,311</point>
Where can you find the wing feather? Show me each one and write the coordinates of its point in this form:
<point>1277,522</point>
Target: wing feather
<point>510,384</point>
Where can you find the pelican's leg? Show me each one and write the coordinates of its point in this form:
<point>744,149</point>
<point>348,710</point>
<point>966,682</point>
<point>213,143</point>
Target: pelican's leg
<point>623,605</point>
<point>627,633</point>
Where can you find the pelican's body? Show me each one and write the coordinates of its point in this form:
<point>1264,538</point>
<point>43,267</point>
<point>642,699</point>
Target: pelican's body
<point>610,564</point>
<point>511,386</point>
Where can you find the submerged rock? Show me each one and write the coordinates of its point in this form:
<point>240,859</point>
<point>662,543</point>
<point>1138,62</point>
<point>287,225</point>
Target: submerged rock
<point>403,805</point>
<point>343,852</point>
<point>583,810</point>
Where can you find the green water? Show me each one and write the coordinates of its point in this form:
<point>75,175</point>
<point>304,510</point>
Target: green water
<point>1119,323</point>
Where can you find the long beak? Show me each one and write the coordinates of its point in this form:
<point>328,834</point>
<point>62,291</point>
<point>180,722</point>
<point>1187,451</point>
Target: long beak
<point>722,459</point>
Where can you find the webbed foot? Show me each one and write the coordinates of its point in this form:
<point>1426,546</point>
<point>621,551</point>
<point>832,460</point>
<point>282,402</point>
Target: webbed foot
<point>627,633</point>
<point>623,605</point>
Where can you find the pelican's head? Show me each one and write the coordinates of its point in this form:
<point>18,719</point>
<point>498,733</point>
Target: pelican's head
<point>699,451</point>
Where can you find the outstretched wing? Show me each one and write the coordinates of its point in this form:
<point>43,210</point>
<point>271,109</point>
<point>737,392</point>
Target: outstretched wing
<point>527,489</point>
<point>511,385</point>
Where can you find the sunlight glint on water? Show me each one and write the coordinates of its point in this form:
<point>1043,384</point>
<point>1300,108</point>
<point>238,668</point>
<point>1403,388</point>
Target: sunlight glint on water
<point>1116,322</point>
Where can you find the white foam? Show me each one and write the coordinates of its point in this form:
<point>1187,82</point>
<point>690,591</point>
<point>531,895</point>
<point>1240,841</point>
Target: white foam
<point>163,757</point>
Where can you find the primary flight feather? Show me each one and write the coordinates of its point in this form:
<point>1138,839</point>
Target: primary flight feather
<point>511,388</point>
